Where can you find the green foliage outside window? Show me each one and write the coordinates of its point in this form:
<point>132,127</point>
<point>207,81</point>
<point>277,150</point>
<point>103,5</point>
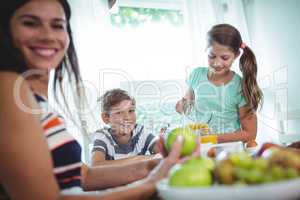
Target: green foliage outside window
<point>131,16</point>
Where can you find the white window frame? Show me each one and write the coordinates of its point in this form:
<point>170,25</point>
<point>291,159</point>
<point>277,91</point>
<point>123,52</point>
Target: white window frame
<point>158,4</point>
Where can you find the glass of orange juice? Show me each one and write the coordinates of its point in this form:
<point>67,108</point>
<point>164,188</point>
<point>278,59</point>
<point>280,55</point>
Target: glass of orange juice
<point>209,139</point>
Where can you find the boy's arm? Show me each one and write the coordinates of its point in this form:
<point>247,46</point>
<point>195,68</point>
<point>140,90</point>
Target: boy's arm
<point>111,173</point>
<point>247,132</point>
<point>98,158</point>
<point>143,189</point>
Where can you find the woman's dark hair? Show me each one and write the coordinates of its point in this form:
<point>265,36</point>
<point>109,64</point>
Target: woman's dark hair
<point>229,36</point>
<point>12,58</point>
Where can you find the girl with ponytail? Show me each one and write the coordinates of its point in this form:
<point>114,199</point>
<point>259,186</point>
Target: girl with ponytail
<point>220,97</point>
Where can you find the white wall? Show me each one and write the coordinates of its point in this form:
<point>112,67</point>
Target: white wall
<point>274,27</point>
<point>90,26</point>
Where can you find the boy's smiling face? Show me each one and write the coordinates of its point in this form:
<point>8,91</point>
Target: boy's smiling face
<point>121,118</point>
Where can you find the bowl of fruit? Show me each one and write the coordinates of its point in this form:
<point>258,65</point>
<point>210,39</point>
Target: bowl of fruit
<point>272,174</point>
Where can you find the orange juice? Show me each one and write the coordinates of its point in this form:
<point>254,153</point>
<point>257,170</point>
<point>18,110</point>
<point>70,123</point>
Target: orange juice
<point>209,139</point>
<point>196,126</point>
<point>199,128</point>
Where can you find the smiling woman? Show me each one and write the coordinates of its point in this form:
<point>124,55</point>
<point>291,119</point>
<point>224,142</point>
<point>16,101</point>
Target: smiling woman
<point>41,37</point>
<point>40,32</point>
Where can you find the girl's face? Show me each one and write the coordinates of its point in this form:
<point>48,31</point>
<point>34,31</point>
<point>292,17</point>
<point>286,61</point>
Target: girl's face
<point>220,58</point>
<point>38,29</point>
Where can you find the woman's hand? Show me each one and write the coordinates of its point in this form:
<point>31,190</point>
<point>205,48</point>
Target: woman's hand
<point>171,158</point>
<point>160,146</point>
<point>163,168</point>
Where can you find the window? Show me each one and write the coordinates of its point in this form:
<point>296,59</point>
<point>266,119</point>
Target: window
<point>134,16</point>
<point>149,41</point>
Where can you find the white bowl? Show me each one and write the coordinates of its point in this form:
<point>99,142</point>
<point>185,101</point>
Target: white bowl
<point>283,190</point>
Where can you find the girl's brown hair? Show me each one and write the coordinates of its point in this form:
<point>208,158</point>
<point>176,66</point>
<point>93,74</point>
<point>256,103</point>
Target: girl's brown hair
<point>229,36</point>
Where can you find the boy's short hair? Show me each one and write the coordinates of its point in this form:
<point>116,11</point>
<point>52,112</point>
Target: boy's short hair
<point>114,97</point>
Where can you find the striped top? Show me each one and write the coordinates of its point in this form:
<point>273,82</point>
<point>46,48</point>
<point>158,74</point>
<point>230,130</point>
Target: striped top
<point>141,143</point>
<point>65,150</point>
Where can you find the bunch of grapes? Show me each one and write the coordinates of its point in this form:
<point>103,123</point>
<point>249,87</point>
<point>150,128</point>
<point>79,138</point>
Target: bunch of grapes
<point>241,168</point>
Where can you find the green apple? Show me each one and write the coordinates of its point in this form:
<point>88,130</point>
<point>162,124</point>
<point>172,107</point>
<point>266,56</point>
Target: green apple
<point>205,162</point>
<point>191,176</point>
<point>189,143</point>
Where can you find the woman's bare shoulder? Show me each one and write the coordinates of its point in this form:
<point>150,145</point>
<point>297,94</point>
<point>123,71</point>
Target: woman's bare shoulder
<point>9,79</point>
<point>15,91</point>
<point>6,75</point>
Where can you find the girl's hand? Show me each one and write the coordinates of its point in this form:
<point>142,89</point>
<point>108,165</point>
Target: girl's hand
<point>184,106</point>
<point>180,106</point>
<point>266,146</point>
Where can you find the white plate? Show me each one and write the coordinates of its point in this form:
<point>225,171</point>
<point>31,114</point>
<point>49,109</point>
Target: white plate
<point>284,190</point>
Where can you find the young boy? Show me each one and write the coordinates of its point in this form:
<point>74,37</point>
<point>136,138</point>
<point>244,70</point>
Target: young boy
<point>123,140</point>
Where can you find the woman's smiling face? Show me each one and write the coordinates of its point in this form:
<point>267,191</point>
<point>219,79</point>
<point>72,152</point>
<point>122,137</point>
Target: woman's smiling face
<point>39,30</point>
